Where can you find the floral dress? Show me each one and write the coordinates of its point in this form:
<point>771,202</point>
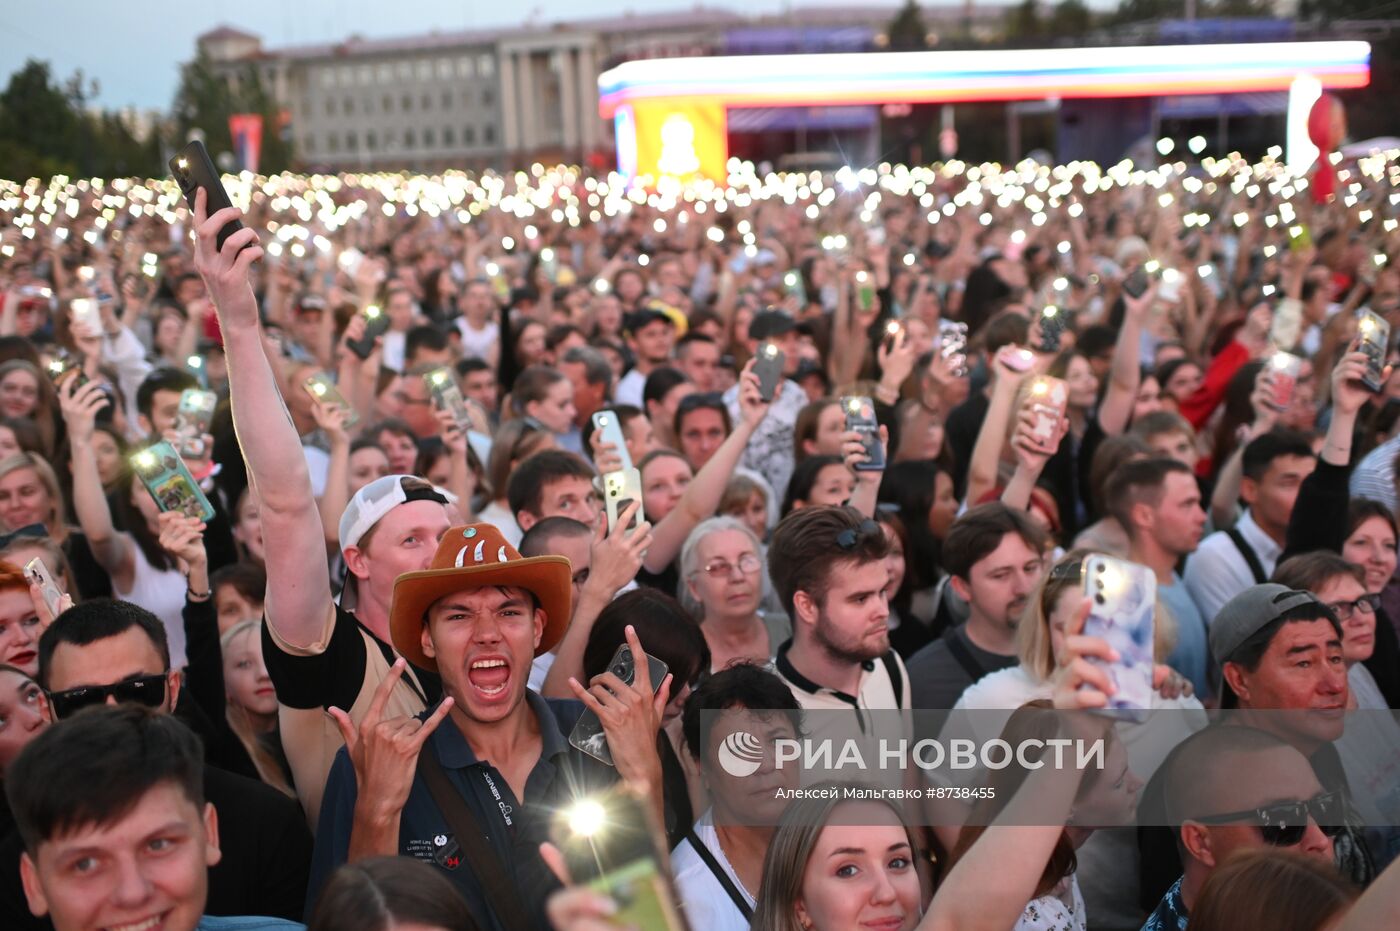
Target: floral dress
<point>1060,909</point>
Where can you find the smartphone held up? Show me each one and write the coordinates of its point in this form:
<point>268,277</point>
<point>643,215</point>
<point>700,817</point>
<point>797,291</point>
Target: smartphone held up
<point>194,169</point>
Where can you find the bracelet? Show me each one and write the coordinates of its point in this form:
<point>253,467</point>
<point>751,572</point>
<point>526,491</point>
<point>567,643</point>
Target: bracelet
<point>193,595</point>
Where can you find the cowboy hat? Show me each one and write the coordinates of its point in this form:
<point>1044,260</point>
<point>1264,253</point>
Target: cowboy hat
<point>471,557</point>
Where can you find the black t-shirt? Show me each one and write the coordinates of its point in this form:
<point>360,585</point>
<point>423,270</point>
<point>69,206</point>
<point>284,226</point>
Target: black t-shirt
<point>335,676</point>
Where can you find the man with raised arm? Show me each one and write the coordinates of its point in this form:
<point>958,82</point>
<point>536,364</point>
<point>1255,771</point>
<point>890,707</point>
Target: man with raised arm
<point>319,654</point>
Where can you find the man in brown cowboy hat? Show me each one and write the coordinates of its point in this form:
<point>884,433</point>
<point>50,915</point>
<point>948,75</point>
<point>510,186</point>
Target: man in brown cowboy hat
<point>471,787</point>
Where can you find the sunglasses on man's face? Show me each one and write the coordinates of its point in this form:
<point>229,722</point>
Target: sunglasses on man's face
<point>141,690</point>
<point>1284,824</point>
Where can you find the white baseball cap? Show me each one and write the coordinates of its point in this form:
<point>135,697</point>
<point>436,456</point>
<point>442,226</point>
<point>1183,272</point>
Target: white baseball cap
<point>378,498</point>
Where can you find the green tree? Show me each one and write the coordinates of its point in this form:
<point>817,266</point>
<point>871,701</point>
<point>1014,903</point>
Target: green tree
<point>205,100</point>
<point>1136,11</point>
<point>1070,18</point>
<point>907,29</point>
<point>1023,21</point>
<point>40,126</point>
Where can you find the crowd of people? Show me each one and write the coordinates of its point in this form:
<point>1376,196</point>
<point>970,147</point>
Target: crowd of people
<point>462,466</point>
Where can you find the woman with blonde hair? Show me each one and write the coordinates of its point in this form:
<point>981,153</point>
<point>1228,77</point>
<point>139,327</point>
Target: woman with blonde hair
<point>30,497</point>
<point>251,703</point>
<point>836,863</point>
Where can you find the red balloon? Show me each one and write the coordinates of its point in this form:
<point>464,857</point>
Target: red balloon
<point>1327,127</point>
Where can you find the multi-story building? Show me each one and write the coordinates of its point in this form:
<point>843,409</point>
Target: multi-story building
<point>504,96</point>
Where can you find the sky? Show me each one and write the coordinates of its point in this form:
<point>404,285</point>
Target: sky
<point>134,47</point>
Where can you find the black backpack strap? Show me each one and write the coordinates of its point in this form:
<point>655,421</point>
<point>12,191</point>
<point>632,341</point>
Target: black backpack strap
<point>734,894</point>
<point>964,656</point>
<point>1250,557</point>
<point>472,840</point>
<point>896,676</point>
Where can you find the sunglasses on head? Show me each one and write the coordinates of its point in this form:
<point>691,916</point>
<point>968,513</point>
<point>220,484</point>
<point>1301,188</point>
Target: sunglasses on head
<point>849,538</point>
<point>1284,824</point>
<point>141,690</point>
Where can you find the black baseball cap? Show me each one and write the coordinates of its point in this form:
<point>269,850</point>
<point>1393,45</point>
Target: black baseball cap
<point>770,323</point>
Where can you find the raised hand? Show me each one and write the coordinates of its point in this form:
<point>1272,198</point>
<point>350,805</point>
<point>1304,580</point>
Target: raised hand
<point>617,554</point>
<point>80,406</point>
<point>384,751</point>
<point>226,271</point>
<point>1349,393</point>
<point>631,717</point>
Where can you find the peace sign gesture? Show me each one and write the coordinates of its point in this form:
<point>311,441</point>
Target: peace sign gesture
<point>385,752</point>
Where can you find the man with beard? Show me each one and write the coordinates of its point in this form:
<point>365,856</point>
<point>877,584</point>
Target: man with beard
<point>994,557</point>
<point>828,566</point>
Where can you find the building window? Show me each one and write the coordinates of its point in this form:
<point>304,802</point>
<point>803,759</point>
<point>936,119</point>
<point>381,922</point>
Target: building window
<point>333,143</point>
<point>407,103</point>
<point>370,141</point>
<point>425,71</point>
<point>488,97</point>
<point>444,69</point>
<point>330,106</point>
<point>349,105</point>
<point>466,66</point>
<point>486,65</point>
<point>366,75</point>
<point>328,77</point>
<point>469,136</point>
<point>408,139</point>
<point>426,101</point>
<point>447,100</point>
<point>347,75</point>
<point>429,142</point>
<point>352,141</point>
<point>308,145</point>
<point>488,134</point>
<point>386,72</point>
<point>388,104</point>
<point>405,70</point>
<point>449,138</point>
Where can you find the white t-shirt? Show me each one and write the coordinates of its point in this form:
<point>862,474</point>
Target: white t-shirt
<point>629,389</point>
<point>706,902</point>
<point>478,343</point>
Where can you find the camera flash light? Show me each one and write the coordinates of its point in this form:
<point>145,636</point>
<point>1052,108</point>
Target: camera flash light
<point>587,818</point>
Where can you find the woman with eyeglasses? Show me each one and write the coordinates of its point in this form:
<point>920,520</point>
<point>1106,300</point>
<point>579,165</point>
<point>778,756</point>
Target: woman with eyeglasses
<point>1341,586</point>
<point>722,585</point>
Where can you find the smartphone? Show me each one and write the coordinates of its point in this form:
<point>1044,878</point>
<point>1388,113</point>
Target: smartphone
<point>38,574</point>
<point>168,479</point>
<point>769,369</point>
<point>192,419</point>
<point>606,423</point>
<point>610,844</point>
<point>1047,400</point>
<point>447,396</point>
<point>1284,368</point>
<point>894,331</point>
<point>1299,237</point>
<point>865,290</point>
<point>792,282</point>
<point>1123,612</point>
<point>1053,323</point>
<point>320,387</point>
<point>194,169</point>
<point>63,363</point>
<point>1016,358</point>
<point>1373,338</point>
<point>83,312</point>
<point>549,264</point>
<point>952,345</point>
<point>587,734</point>
<point>1287,325</point>
<point>619,490</point>
<point>860,417</point>
<point>376,323</point>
